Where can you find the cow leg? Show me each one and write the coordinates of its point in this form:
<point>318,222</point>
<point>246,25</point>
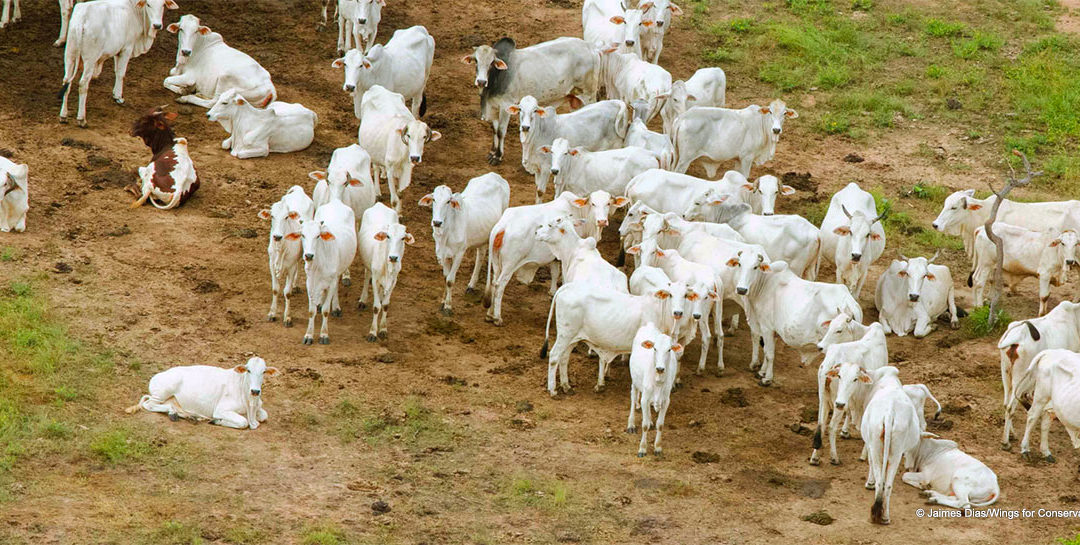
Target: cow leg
<point>362,302</point>
<point>630,424</point>
<point>324,308</point>
<point>541,178</point>
<point>451,277</point>
<point>227,143</point>
<point>706,339</point>
<point>385,309</point>
<point>65,17</point>
<point>1044,437</point>
<point>261,416</point>
<point>834,426</point>
<point>559,353</point>
<point>1044,292</point>
<point>335,304</point>
<point>155,404</point>
<point>602,363</point>
<point>84,88</point>
<point>376,309</point>
<point>646,422</point>
<point>4,16</point>
<point>179,84</point>
<point>341,35</point>
<point>657,449</point>
<point>481,256</point>
<point>309,335</point>
<point>744,165</point>
<point>554,268</point>
<point>1035,412</point>
<point>275,287</point>
<point>495,312</point>
<point>197,100</point>
<point>496,155</point>
<point>391,186</point>
<point>915,478</point>
<point>286,318</point>
<point>229,419</point>
<point>120,64</point>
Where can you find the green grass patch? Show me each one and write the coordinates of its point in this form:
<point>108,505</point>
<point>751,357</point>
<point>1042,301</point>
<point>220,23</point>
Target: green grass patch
<point>978,322</point>
<point>929,192</point>
<point>945,29</point>
<point>545,494</point>
<point>412,423</point>
<point>177,533</point>
<point>324,534</point>
<point>9,254</point>
<point>1075,540</point>
<point>120,445</point>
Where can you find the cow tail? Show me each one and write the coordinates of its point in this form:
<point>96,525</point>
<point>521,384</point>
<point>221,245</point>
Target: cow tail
<point>877,511</point>
<point>547,325</point>
<point>147,188</point>
<point>423,104</point>
<point>132,409</point>
<point>176,196</point>
<point>675,126</point>
<point>71,59</point>
<point>494,250</point>
<point>623,120</point>
<point>815,262</point>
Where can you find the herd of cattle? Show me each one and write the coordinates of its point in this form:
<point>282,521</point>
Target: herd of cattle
<point>695,243</point>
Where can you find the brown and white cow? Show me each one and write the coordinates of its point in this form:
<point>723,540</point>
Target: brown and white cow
<point>170,179</point>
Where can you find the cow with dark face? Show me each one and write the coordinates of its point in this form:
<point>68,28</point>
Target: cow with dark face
<point>170,178</point>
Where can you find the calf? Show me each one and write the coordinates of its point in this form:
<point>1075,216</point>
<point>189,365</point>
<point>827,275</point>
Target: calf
<point>654,366</point>
<point>628,78</point>
<point>402,66</point>
<point>206,67</point>
<point>348,179</point>
<point>329,243</point>
<point>890,427</point>
<point>1055,375</point>
<point>287,217</point>
<point>281,127</point>
<point>912,293</point>
<point>704,291</point>
<point>358,23</point>
<point>557,71</point>
<point>919,393</point>
<point>463,221</point>
<point>514,251</point>
<point>10,16</point>
<point>707,87</point>
<point>608,23</point>
<point>1021,342</point>
<point>657,12</point>
<point>841,329</point>
<point>605,319</point>
<point>844,383</point>
<point>719,134</point>
<point>104,29</point>
<point>581,261</point>
<point>852,236</point>
<point>382,247</point>
<point>14,195</point>
<point>394,138</point>
<point>772,289</point>
<point>226,397</point>
<point>595,127</point>
<point>949,476</point>
<point>638,135</point>
<point>1045,255</point>
<point>170,179</point>
<point>785,237</point>
<point>962,213</point>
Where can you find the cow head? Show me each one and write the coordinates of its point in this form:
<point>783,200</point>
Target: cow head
<point>660,12</point>
<point>396,237</point>
<point>312,234</point>
<point>846,377</point>
<point>601,203</point>
<point>1065,244</point>
<point>414,135</point>
<point>255,370</point>
<point>286,223</point>
<point>665,352</point>
<point>773,118</point>
<point>528,110</point>
<point>369,11</point>
<point>556,228</point>
<point>752,265</point>
<point>155,128</point>
<point>648,250</point>
<point>485,58</point>
<point>680,98</point>
<point>630,23</point>
<point>767,188</point>
<point>957,211</point>
<point>634,218</point>
<point>187,30</point>
<point>226,106</point>
<point>443,202</point>
<point>354,64</point>
<point>153,11</point>
<point>13,179</point>
<point>705,206</point>
<point>840,329</point>
<point>916,271</point>
<point>859,230</point>
<point>337,180</point>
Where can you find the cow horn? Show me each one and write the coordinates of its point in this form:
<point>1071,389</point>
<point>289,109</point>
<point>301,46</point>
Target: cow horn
<point>904,257</point>
<point>932,259</point>
<point>1033,330</point>
<point>846,213</point>
<point>884,213</point>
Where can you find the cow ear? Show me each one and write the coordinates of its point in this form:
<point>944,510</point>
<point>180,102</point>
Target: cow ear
<point>573,152</point>
<point>409,239</point>
<point>317,175</point>
<point>327,235</point>
<point>677,348</point>
<point>172,116</point>
<point>541,112</point>
<point>435,135</point>
<point>204,30</point>
<point>791,114</point>
<point>1055,242</point>
<point>764,111</point>
<point>787,190</point>
<point>140,4</point>
<point>733,262</point>
<point>171,5</point>
<point>468,59</point>
<point>264,214</point>
<point>240,369</point>
<point>647,24</point>
<point>382,3</point>
<point>659,253</point>
<point>748,187</point>
<point>634,250</point>
<point>338,63</point>
<point>875,236</point>
<point>174,28</point>
<point>513,109</point>
<point>270,371</point>
<point>500,65</point>
<point>864,377</point>
<point>292,236</point>
<point>455,203</point>
<point>646,6</point>
<point>617,19</point>
<point>367,64</point>
<point>834,372</point>
<point>974,206</point>
<point>426,200</point>
<point>675,9</point>
<point>663,294</point>
<point>647,344</point>
<point>826,323</point>
<point>765,267</point>
<point>620,202</point>
<point>545,149</point>
<point>380,236</point>
<point>672,232</point>
<point>355,182</point>
<point>581,203</point>
<point>239,101</point>
<point>842,231</point>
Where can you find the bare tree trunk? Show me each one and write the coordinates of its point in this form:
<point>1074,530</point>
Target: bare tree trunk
<point>1012,183</point>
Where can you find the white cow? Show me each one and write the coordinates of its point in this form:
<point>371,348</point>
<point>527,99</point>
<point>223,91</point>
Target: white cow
<point>206,67</point>
<point>281,127</point>
<point>950,476</point>
<point>104,29</point>
<point>514,252</point>
<point>1021,342</point>
<point>962,213</point>
<point>608,23</point>
<point>581,261</point>
<point>772,290</point>
<point>720,134</point>
<point>554,72</point>
<point>598,126</point>
<point>786,237</point>
<point>226,397</point>
<point>763,193</point>
<point>654,366</point>
<point>704,291</point>
<point>604,319</point>
<point>852,237</point>
<point>463,221</point>
<point>638,135</point>
<point>706,88</point>
<point>394,138</point>
<point>382,241</point>
<point>657,20</point>
<point>919,393</point>
<point>912,293</point>
<point>1056,378</point>
<point>14,195</point>
<point>666,191</point>
<point>286,220</point>
<point>841,329</point>
<point>348,179</point>
<point>9,15</point>
<point>329,241</point>
<point>402,66</point>
<point>582,171</point>
<point>844,384</point>
<point>1046,255</point>
<point>358,23</point>
<point>628,78</point>
<point>890,427</point>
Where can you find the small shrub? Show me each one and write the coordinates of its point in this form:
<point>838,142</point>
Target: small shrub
<point>980,41</point>
<point>978,321</point>
<point>835,123</point>
<point>65,393</point>
<point>944,29</point>
<point>934,71</point>
<point>741,25</point>
<point>118,446</point>
<point>55,429</point>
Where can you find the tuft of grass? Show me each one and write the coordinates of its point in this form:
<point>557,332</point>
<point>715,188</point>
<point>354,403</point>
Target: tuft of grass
<point>862,5</point>
<point>54,429</point>
<point>323,534</point>
<point>944,29</point>
<point>979,42</point>
<point>9,253</point>
<point>978,321</point>
<point>65,393</point>
<point>741,25</point>
<point>929,192</point>
<point>412,423</point>
<point>546,494</point>
<point>1075,540</point>
<point>119,446</point>
<point>177,533</point>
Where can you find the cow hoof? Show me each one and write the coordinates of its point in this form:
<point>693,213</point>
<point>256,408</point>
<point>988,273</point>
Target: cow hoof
<point>372,338</point>
<point>271,318</point>
<point>346,282</point>
<point>954,325</point>
<point>814,462</point>
<point>287,322</point>
<point>82,123</point>
<point>641,454</point>
<point>845,435</point>
<point>470,291</point>
<point>498,322</point>
<point>869,486</point>
<point>698,372</point>
<point>63,121</point>
<point>174,417</point>
<point>835,461</point>
<point>119,101</point>
<point>383,335</point>
<point>1050,459</point>
<point>446,311</point>
<point>325,339</point>
<point>764,383</point>
<point>658,452</point>
<point>1006,447</point>
<point>566,390</point>
<point>488,319</point>
<point>599,388</point>
<point>1026,456</point>
<point>336,313</point>
<point>924,493</point>
<point>631,429</point>
<point>361,305</point>
<point>57,43</point>
<point>884,522</point>
<point>308,340</point>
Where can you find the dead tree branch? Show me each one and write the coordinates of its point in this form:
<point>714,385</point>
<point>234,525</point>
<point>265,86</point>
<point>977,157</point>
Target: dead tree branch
<point>1012,183</point>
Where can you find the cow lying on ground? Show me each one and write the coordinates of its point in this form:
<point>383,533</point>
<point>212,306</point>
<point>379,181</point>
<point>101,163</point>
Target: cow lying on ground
<point>206,67</point>
<point>226,397</point>
<point>281,127</point>
<point>170,179</point>
<point>950,476</point>
<point>14,196</point>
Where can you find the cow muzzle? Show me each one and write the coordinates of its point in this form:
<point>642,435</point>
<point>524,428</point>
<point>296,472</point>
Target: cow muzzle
<point>602,223</point>
<point>349,87</point>
<point>660,370</point>
<point>741,291</point>
<point>935,226</point>
<point>856,257</point>
<point>1070,262</point>
<point>554,172</point>
<point>820,348</point>
<point>630,43</point>
<point>414,159</point>
<point>309,257</point>
<point>697,315</point>
<point>277,238</point>
<point>255,392</point>
<point>660,24</point>
<point>394,258</point>
<point>766,213</point>
<point>436,223</point>
<point>913,297</point>
<point>157,26</point>
<point>840,405</point>
<point>362,21</point>
<point>481,83</point>
<point>185,52</point>
<point>525,128</point>
<point>677,314</point>
<point>776,130</point>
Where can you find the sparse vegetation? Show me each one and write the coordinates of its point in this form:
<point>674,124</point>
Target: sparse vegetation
<point>413,424</point>
<point>324,534</point>
<point>9,253</point>
<point>177,533</point>
<point>548,494</point>
<point>119,446</point>
<point>978,322</point>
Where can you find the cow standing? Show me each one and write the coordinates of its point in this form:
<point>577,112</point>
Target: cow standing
<point>9,15</point>
<point>706,88</point>
<point>286,223</point>
<point>720,134</point>
<point>402,66</point>
<point>890,427</point>
<point>852,237</point>
<point>394,139</point>
<point>329,241</point>
<point>1056,377</point>
<point>654,367</point>
<point>962,214</point>
<point>103,29</point>
<point>170,179</point>
<point>382,240</point>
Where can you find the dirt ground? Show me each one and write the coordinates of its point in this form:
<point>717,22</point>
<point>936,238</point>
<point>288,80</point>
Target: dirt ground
<point>191,286</point>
